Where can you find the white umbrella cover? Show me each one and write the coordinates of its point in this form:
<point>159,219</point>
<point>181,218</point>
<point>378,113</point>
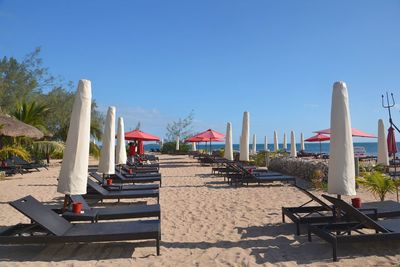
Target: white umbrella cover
<point>177,144</point>
<point>74,168</point>
<point>244,146</point>
<point>254,147</point>
<point>303,147</point>
<point>276,145</point>
<point>228,153</point>
<point>265,143</point>
<point>284,141</point>
<point>383,154</point>
<point>341,176</point>
<point>107,153</point>
<point>194,148</point>
<point>120,155</point>
<point>293,151</point>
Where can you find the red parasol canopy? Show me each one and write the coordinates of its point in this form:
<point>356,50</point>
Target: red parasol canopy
<point>210,135</point>
<point>391,140</point>
<point>354,132</point>
<point>318,138</point>
<point>139,135</point>
<point>194,139</point>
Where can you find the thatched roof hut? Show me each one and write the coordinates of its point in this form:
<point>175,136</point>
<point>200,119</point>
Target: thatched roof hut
<point>10,126</point>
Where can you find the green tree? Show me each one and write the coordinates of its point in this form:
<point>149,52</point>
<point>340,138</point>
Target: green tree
<point>378,184</point>
<point>32,113</point>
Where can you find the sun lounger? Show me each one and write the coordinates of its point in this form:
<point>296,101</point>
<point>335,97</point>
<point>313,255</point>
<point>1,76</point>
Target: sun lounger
<point>119,178</point>
<point>110,213</point>
<point>99,193</point>
<point>137,175</point>
<point>121,186</point>
<point>48,227</point>
<point>338,233</point>
<point>322,212</point>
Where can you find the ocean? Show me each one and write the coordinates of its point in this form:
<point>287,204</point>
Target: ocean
<point>370,147</point>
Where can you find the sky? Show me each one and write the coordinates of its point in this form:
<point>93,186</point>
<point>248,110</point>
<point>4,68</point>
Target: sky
<point>155,61</point>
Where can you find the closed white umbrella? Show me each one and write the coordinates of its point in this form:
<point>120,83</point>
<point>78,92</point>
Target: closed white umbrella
<point>177,144</point>
<point>120,155</point>
<point>284,141</point>
<point>341,177</point>
<point>194,148</point>
<point>383,154</point>
<point>293,150</point>
<point>228,153</point>
<point>244,146</point>
<point>265,143</point>
<point>107,153</point>
<point>74,168</point>
<point>161,142</point>
<point>254,147</point>
<point>276,145</point>
<point>303,147</point>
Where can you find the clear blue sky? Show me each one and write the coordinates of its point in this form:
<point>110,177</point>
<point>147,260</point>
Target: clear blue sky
<point>157,60</point>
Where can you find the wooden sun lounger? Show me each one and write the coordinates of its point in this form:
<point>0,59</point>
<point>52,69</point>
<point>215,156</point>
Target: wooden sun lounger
<point>137,175</point>
<point>48,227</point>
<point>338,233</point>
<point>322,212</point>
<point>121,186</point>
<point>100,193</point>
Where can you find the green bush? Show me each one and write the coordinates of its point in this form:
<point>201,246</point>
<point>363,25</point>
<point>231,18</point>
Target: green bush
<point>377,183</point>
<point>169,148</point>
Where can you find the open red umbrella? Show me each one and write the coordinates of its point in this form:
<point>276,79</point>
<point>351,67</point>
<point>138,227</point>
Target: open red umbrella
<point>391,140</point>
<point>318,138</point>
<point>354,132</point>
<point>139,135</point>
<point>207,136</point>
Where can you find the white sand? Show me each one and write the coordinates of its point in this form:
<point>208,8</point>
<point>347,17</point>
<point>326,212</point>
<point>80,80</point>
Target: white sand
<point>204,223</point>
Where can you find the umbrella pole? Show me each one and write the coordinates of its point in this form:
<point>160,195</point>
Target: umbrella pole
<point>66,202</point>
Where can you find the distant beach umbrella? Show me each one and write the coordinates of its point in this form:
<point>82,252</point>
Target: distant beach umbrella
<point>293,151</point>
<point>177,144</point>
<point>319,138</point>
<point>341,176</point>
<point>120,155</point>
<point>161,142</point>
<point>74,168</point>
<point>194,148</point>
<point>265,143</point>
<point>276,145</point>
<point>391,142</point>
<point>244,147</point>
<point>228,153</point>
<point>254,147</point>
<point>383,154</point>
<point>107,153</point>
<point>284,141</point>
<point>303,147</point>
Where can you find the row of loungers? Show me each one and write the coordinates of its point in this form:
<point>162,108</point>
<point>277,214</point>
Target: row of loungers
<point>338,222</point>
<point>50,224</point>
<point>235,173</point>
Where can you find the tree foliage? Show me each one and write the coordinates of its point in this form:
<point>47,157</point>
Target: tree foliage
<point>378,184</point>
<point>181,128</point>
<point>50,98</point>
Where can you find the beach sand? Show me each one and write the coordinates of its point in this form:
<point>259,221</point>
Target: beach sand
<point>204,223</point>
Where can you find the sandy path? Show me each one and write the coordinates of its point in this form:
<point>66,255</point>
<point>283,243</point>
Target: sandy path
<point>204,223</point>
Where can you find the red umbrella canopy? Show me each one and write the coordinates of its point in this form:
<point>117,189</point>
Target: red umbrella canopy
<point>139,135</point>
<point>391,140</point>
<point>318,138</point>
<point>354,132</point>
<point>194,139</point>
<point>210,135</point>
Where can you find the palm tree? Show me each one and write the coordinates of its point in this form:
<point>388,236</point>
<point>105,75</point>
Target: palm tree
<point>378,184</point>
<point>31,113</point>
<point>47,148</point>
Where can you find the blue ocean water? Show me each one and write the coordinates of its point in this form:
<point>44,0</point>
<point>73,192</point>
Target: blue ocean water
<point>370,147</point>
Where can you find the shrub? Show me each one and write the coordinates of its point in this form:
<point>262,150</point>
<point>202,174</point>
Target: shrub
<point>169,148</point>
<point>377,183</point>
